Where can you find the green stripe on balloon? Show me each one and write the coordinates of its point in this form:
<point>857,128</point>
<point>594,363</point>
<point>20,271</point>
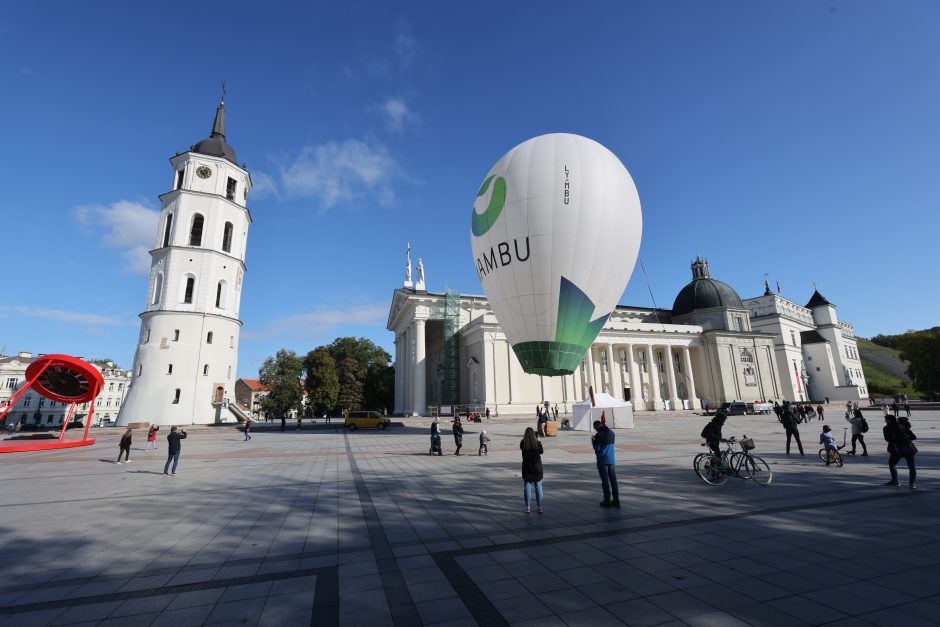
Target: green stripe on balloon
<point>574,324</point>
<point>483,221</point>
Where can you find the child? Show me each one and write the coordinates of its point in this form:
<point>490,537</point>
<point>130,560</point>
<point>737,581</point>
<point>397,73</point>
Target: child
<point>152,438</point>
<point>484,444</point>
<point>828,441</point>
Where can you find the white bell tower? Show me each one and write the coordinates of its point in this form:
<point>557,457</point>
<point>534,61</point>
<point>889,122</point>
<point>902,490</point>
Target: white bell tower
<point>187,353</point>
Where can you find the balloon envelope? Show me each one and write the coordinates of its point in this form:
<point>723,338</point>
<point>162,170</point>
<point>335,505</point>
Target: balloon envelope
<point>555,233</point>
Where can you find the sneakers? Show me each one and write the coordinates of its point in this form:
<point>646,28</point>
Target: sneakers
<point>864,454</point>
<point>540,509</point>
<point>606,504</point>
<point>913,486</point>
<point>127,461</point>
<point>615,503</point>
<point>894,483</point>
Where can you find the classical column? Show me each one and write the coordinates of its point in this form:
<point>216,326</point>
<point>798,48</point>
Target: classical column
<point>420,404</point>
<point>590,367</point>
<point>397,407</point>
<point>612,367</point>
<point>655,396</point>
<point>671,379</point>
<point>687,359</point>
<point>405,371</point>
<point>636,384</point>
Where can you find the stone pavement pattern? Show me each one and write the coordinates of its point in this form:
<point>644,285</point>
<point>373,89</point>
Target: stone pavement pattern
<point>320,527</point>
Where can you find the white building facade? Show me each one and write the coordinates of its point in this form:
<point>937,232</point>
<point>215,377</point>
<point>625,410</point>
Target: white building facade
<point>187,353</point>
<point>33,409</point>
<point>707,349</point>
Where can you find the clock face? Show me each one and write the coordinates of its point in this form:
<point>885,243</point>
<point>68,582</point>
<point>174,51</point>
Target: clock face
<point>203,171</point>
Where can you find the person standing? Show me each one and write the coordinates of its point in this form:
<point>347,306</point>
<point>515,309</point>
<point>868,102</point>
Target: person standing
<point>603,417</point>
<point>789,421</point>
<point>435,437</point>
<point>538,421</point>
<point>484,444</point>
<point>247,429</point>
<point>152,437</point>
<point>283,423</point>
<point>900,441</point>
<point>603,443</point>
<point>777,410</point>
<point>173,449</point>
<point>125,447</point>
<point>458,435</point>
<point>859,427</point>
<point>531,469</point>
<point>820,411</point>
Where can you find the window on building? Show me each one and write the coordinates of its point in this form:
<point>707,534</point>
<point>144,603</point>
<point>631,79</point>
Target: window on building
<point>229,372</point>
<point>230,188</point>
<point>205,370</point>
<point>792,337</point>
<point>738,323</point>
<point>623,361</point>
<point>641,357</point>
<point>176,335</point>
<point>11,383</point>
<point>179,179</point>
<point>166,230</point>
<point>157,289</point>
<point>220,294</point>
<point>746,357</point>
<point>227,237</point>
<point>209,337</point>
<point>231,341</point>
<point>176,397</point>
<point>42,401</point>
<point>148,336</point>
<point>49,419</point>
<point>140,369</point>
<point>111,387</point>
<point>676,363</point>
<point>51,403</point>
<point>190,288</point>
<point>120,386</point>
<point>27,401</point>
<point>195,231</point>
<point>169,369</point>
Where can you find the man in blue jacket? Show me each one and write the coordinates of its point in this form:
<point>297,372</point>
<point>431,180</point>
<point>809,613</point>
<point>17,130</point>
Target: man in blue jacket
<point>603,443</point>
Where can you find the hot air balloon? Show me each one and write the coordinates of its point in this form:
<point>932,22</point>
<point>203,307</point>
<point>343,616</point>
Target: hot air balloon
<point>555,233</point>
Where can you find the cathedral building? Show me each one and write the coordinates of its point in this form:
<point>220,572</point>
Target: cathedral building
<point>187,353</point>
<point>711,347</point>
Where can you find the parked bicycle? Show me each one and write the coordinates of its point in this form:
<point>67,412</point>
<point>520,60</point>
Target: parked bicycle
<point>715,469</point>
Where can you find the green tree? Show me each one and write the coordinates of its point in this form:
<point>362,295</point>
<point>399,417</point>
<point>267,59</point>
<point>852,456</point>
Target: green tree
<point>322,381</point>
<point>351,377</point>
<point>921,349</point>
<point>377,375</point>
<point>281,375</point>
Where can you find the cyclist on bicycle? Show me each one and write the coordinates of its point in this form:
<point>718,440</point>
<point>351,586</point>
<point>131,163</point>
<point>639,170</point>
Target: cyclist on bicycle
<point>828,441</point>
<point>712,432</point>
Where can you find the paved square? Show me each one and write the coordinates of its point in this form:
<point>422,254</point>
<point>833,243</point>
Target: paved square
<point>320,527</point>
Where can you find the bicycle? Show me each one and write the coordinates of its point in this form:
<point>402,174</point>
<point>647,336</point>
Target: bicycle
<point>715,469</point>
<point>833,456</point>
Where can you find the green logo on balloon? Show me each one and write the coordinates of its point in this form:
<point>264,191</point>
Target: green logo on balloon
<point>483,221</point>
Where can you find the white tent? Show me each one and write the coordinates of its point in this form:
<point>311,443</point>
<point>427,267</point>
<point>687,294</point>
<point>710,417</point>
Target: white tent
<point>619,413</point>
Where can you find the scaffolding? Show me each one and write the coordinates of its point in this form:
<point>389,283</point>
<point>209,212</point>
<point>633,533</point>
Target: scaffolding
<point>450,389</point>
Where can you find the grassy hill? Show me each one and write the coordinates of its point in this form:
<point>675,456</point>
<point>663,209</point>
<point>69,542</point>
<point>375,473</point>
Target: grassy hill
<point>884,370</point>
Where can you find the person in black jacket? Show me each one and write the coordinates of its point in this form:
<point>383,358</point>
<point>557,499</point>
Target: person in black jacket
<point>900,441</point>
<point>531,468</point>
<point>173,449</point>
<point>712,432</point>
<point>458,435</point>
<point>125,447</point>
<point>788,418</point>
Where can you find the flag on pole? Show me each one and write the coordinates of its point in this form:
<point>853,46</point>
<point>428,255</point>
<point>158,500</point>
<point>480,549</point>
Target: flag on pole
<point>778,287</point>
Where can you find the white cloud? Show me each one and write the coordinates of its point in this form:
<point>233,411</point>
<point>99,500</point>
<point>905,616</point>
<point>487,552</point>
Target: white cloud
<point>125,226</point>
<point>321,321</point>
<point>396,113</point>
<point>405,45</point>
<point>341,172</point>
<point>262,185</point>
<point>72,317</point>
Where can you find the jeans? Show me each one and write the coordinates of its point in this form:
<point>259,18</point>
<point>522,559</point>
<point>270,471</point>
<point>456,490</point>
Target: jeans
<point>126,452</point>
<point>172,457</point>
<point>895,458</point>
<point>608,481</point>
<point>793,433</point>
<point>151,444</point>
<point>528,493</point>
<point>247,435</point>
<point>858,437</point>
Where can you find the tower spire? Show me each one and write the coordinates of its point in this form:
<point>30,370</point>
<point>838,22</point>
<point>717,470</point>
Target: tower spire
<point>218,125</point>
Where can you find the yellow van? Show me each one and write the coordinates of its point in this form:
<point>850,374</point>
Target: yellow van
<point>366,420</point>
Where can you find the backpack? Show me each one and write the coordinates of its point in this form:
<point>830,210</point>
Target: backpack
<point>863,424</point>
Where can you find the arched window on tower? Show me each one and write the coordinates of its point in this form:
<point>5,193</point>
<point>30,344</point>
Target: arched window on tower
<point>189,288</point>
<point>157,289</point>
<point>220,294</point>
<point>195,231</point>
<point>167,230</point>
<point>227,237</point>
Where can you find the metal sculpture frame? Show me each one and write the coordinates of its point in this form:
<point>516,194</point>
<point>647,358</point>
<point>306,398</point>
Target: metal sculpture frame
<point>60,378</point>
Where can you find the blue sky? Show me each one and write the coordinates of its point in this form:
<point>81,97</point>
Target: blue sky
<point>797,139</point>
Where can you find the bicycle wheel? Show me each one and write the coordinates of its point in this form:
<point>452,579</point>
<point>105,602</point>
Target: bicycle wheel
<point>758,469</point>
<point>837,458</point>
<point>823,455</point>
<point>698,459</point>
<point>711,470</point>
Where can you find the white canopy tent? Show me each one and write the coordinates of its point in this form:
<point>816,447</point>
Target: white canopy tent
<point>619,413</point>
